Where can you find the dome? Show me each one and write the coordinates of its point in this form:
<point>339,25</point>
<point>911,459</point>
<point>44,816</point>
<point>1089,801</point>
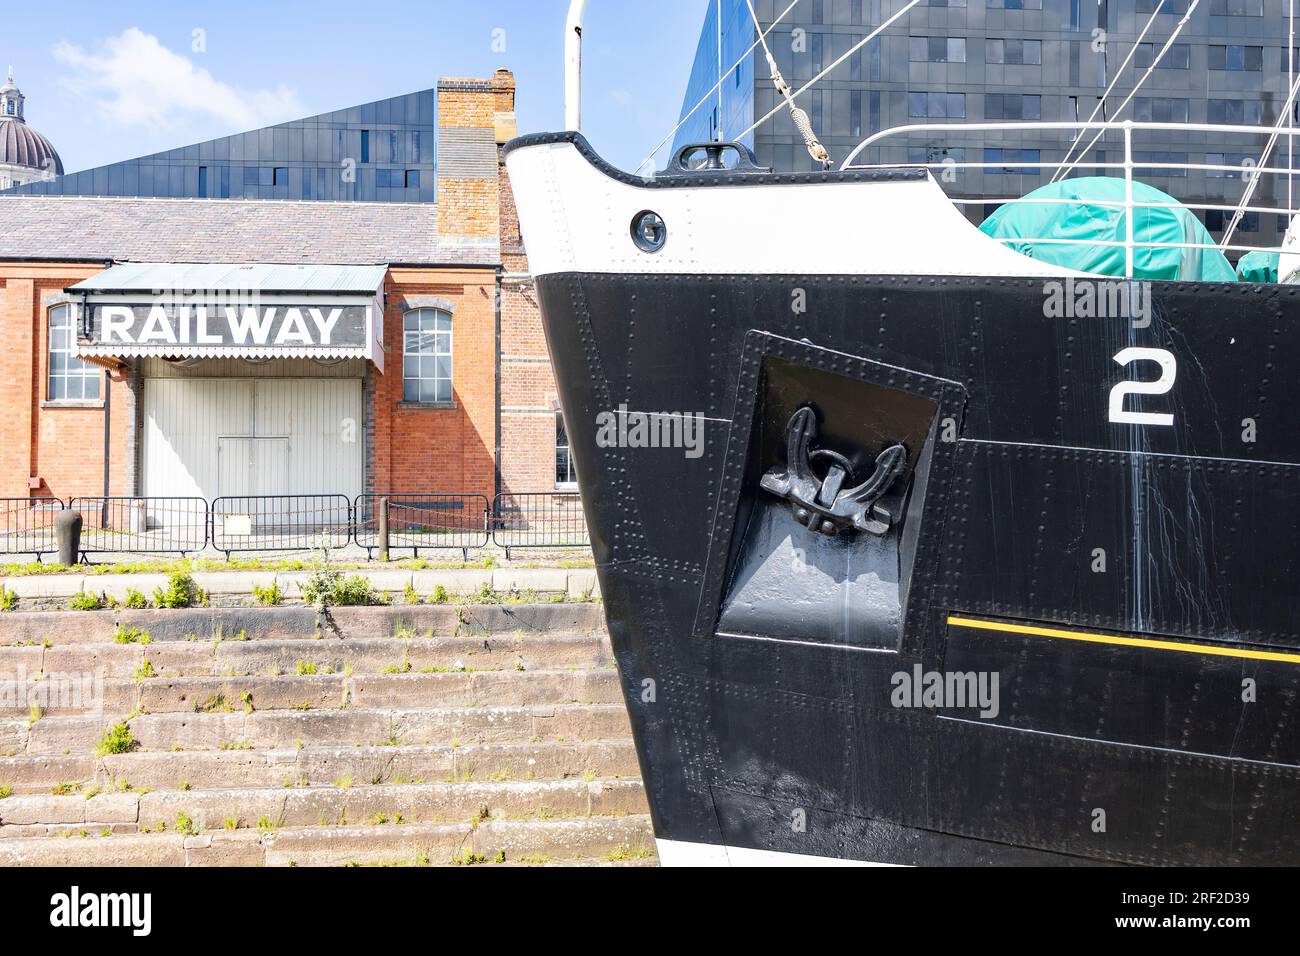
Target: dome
<point>20,145</point>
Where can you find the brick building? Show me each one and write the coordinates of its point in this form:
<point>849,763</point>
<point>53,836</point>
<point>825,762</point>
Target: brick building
<point>225,320</point>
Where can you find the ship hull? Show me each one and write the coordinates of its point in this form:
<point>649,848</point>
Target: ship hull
<point>1122,587</point>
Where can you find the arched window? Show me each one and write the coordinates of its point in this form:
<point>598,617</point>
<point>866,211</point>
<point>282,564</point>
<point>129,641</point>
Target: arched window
<point>70,379</point>
<point>426,356</point>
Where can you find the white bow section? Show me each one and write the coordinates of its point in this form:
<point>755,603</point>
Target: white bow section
<point>575,218</point>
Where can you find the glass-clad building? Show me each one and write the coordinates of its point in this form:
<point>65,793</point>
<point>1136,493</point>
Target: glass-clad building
<point>951,61</point>
<point>385,151</point>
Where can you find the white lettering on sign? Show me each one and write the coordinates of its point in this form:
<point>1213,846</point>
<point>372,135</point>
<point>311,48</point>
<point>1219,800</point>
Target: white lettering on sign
<point>118,320</point>
<point>293,330</point>
<point>1168,373</point>
<point>157,328</point>
<point>201,335</point>
<point>326,327</point>
<point>284,326</point>
<point>252,320</point>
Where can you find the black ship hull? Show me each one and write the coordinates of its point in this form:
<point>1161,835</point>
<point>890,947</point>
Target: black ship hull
<point>1070,637</point>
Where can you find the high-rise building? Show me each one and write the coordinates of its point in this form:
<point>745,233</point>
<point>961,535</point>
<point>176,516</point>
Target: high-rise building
<point>952,61</point>
<point>385,151</point>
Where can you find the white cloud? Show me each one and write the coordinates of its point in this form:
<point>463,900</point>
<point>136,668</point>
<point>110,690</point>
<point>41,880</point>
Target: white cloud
<point>136,81</point>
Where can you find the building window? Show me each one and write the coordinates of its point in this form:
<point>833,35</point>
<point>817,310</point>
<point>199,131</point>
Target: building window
<point>994,156</point>
<point>1178,160</point>
<point>1159,109</point>
<point>1223,112</point>
<point>412,179</point>
<point>252,176</point>
<point>1239,164</point>
<point>1175,7</point>
<point>1015,4</point>
<point>71,379</point>
<point>280,177</point>
<point>203,181</point>
<point>365,145</point>
<point>1237,59</point>
<point>1216,220</point>
<point>938,50</point>
<point>566,476</point>
<point>1177,57</point>
<point>937,105</point>
<point>1017,52</point>
<point>426,356</point>
<point>1013,106</point>
<point>1237,8</point>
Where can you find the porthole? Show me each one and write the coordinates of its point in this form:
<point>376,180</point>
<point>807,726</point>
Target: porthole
<point>649,231</point>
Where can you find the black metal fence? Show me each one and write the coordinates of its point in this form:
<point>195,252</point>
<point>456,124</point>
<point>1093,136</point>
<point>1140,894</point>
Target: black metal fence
<point>421,521</point>
<point>148,525</point>
<point>539,520</point>
<point>27,525</point>
<point>281,522</point>
<point>126,525</point>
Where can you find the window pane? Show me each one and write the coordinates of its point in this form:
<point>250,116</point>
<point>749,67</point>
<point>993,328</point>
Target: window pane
<point>444,391</point>
<point>443,366</point>
<point>410,390</point>
<point>92,386</point>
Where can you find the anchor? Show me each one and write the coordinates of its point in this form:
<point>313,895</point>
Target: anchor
<point>824,505</point>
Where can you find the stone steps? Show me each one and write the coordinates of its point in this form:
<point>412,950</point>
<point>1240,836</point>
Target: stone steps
<point>34,629</point>
<point>626,839</point>
<point>234,808</point>
<point>274,657</point>
<point>340,727</point>
<point>165,695</point>
<point>216,769</point>
<point>376,736</point>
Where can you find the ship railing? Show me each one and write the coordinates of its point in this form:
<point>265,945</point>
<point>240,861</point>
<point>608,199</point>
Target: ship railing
<point>1130,163</point>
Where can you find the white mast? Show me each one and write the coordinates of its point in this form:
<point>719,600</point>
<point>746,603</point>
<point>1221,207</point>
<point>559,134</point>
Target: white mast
<point>573,65</point>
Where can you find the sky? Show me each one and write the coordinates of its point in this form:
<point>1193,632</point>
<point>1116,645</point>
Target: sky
<point>110,81</point>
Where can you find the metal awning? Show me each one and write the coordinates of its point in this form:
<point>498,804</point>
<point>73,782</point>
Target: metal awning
<point>241,310</point>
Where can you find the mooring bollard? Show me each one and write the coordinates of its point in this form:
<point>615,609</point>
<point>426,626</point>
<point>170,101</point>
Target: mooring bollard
<point>383,529</point>
<point>67,534</point>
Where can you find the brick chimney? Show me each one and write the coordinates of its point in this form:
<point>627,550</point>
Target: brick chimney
<point>474,117</point>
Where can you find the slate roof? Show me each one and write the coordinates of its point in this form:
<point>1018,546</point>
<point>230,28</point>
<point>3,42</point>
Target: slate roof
<point>93,228</point>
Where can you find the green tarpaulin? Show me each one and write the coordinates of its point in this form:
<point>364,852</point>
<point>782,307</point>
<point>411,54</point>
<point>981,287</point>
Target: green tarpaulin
<point>1257,267</point>
<point>1077,218</point>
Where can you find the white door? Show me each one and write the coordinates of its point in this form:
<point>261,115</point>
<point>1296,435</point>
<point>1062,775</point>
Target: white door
<point>240,436</point>
<point>253,466</point>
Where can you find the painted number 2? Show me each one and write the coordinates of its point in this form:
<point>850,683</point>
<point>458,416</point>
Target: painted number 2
<point>1168,372</point>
